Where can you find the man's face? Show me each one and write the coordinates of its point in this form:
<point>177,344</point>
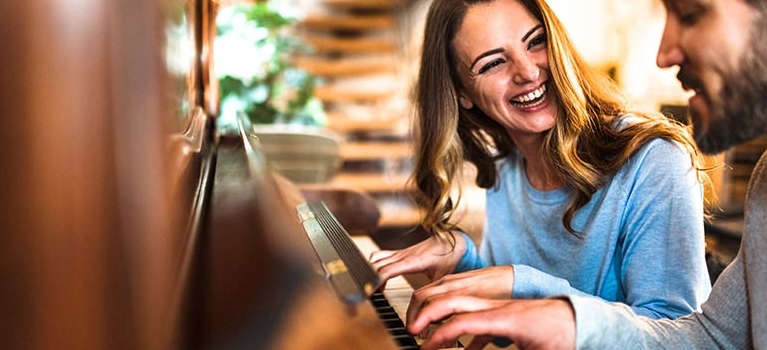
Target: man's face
<point>720,47</point>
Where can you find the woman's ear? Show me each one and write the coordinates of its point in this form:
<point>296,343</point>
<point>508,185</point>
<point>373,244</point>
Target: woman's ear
<point>465,101</point>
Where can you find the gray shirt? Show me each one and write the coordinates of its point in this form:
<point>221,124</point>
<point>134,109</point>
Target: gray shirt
<point>734,317</point>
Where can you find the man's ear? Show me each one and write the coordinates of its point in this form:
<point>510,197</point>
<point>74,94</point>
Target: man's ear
<point>465,101</point>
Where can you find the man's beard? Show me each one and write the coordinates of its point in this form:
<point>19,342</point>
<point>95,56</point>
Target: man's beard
<point>741,112</point>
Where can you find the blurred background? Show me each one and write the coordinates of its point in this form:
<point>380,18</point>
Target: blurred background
<point>362,57</point>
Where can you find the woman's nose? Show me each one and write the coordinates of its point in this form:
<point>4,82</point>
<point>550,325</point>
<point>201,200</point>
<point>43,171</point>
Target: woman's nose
<point>525,70</point>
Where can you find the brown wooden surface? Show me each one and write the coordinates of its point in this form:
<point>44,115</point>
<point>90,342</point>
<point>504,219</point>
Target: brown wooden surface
<point>372,182</point>
<point>331,93</point>
<point>259,282</point>
<point>342,67</point>
<point>364,4</point>
<point>368,123</point>
<point>376,150</point>
<point>88,224</point>
<point>367,45</point>
<point>98,196</point>
<point>348,22</point>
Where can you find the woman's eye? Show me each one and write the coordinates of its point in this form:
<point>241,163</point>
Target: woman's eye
<point>490,65</point>
<point>537,41</point>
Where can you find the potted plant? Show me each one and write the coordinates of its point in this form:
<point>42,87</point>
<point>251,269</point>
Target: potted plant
<point>252,60</point>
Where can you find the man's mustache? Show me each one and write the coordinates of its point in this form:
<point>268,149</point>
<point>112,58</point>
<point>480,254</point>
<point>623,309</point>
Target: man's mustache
<point>689,80</point>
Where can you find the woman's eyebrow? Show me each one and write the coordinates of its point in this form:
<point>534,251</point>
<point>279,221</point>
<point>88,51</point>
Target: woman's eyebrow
<point>484,54</point>
<point>531,31</point>
<point>495,51</point>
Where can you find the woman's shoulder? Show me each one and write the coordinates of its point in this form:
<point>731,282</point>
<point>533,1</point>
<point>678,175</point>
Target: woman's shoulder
<point>657,145</point>
<point>661,156</point>
<point>664,149</point>
<point>626,120</point>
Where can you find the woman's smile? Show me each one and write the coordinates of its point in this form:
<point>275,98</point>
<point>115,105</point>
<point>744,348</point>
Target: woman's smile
<point>532,99</point>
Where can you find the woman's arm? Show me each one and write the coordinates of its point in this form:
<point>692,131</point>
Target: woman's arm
<point>662,258</point>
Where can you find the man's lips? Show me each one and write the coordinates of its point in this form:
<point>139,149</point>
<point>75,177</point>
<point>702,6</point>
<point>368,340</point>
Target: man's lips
<point>690,82</point>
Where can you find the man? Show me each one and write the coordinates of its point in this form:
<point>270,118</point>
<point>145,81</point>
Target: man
<point>720,47</point>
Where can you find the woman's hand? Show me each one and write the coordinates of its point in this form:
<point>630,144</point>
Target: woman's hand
<point>434,257</point>
<point>494,282</point>
<point>528,323</point>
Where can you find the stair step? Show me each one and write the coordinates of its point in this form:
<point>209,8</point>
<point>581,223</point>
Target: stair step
<point>364,4</point>
<point>334,94</point>
<point>372,182</point>
<point>341,123</point>
<point>349,22</point>
<point>357,45</point>
<point>342,67</point>
<point>371,150</point>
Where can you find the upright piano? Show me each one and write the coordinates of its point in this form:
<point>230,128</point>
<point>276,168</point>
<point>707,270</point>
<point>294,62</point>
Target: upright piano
<point>130,221</point>
<point>256,278</point>
<point>268,264</point>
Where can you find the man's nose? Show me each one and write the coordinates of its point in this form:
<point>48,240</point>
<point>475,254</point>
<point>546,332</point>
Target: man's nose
<point>669,51</point>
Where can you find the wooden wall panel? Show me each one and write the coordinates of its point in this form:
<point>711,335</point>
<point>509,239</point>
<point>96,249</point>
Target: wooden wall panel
<point>86,258</point>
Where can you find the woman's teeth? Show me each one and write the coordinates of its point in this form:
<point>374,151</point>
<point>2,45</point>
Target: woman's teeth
<point>532,99</point>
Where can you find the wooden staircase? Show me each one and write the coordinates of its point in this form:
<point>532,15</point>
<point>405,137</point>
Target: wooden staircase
<point>357,55</point>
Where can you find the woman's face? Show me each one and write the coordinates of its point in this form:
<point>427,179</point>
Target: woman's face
<point>504,67</point>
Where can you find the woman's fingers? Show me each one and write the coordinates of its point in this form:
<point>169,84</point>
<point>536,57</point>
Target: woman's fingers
<point>530,324</point>
<point>442,306</point>
<point>379,255</point>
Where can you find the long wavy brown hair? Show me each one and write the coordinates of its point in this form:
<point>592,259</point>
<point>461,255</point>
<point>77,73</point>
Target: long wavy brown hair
<point>583,148</point>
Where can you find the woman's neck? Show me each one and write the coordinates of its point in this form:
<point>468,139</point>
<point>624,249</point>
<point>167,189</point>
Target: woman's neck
<point>539,172</point>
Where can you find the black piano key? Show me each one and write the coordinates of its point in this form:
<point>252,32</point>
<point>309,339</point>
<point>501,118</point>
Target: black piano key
<point>389,316</point>
<point>393,322</point>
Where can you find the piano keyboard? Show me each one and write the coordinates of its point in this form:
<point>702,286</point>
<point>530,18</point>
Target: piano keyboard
<point>393,322</point>
<point>345,260</point>
<point>395,297</point>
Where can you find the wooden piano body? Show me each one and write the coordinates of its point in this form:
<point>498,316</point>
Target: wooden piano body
<point>128,221</point>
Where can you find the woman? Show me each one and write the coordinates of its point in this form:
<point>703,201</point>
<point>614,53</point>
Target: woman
<point>583,196</point>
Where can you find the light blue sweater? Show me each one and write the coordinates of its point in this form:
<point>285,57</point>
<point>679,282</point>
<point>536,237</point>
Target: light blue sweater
<point>734,317</point>
<point>641,235</point>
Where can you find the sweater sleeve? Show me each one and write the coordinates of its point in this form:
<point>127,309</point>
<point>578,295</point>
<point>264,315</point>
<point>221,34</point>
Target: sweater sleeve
<point>470,260</point>
<point>662,255</point>
<point>530,283</point>
<point>723,322</point>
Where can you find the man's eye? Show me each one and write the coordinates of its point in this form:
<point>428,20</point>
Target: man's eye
<point>490,65</point>
<point>690,17</point>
